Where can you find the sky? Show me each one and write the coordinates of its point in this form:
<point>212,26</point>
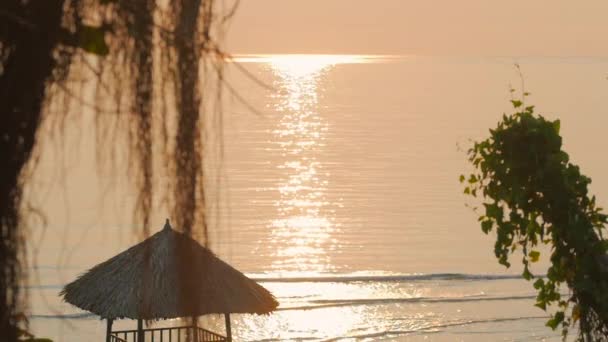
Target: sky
<point>423,27</point>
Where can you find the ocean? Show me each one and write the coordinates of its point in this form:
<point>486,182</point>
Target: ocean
<point>338,190</point>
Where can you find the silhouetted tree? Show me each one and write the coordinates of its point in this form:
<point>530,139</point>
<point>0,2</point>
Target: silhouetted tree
<point>150,56</point>
<point>533,195</point>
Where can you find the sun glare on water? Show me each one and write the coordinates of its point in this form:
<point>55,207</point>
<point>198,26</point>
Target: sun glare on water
<point>304,65</point>
<point>304,228</point>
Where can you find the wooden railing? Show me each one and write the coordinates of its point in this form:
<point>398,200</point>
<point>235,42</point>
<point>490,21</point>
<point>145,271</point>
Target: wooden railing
<point>116,339</point>
<point>172,334</point>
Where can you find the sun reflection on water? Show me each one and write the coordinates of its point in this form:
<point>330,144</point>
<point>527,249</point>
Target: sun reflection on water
<point>304,232</point>
<point>304,229</point>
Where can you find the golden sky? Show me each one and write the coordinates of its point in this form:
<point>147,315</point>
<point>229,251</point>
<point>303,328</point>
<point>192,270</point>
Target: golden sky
<point>423,27</point>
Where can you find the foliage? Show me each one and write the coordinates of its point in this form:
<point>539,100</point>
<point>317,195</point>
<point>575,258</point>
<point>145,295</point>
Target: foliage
<point>92,39</point>
<point>533,195</point>
<point>148,62</point>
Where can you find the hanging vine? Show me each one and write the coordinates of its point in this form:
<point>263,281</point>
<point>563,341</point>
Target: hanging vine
<point>151,61</point>
<point>533,195</point>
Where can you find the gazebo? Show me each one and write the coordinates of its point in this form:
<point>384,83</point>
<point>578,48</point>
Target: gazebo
<point>168,275</point>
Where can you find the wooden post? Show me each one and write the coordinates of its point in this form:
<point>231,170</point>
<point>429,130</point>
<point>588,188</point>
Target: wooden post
<point>228,328</point>
<point>195,337</point>
<point>140,330</point>
<point>109,329</point>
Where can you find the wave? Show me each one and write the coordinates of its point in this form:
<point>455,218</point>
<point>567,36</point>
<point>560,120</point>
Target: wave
<point>330,303</point>
<point>357,278</point>
<point>387,278</point>
<point>432,328</point>
<point>84,315</point>
<point>334,303</point>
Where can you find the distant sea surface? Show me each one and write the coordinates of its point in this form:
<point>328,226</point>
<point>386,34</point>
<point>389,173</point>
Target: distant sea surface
<point>339,192</point>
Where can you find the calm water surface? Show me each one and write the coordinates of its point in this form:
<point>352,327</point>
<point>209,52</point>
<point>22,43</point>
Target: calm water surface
<point>341,195</point>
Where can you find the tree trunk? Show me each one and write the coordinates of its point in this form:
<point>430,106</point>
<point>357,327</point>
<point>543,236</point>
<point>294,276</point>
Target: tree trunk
<point>29,33</point>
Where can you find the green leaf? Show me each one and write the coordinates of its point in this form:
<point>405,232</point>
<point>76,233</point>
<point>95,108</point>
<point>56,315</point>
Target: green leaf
<point>516,103</point>
<point>92,39</point>
<point>539,283</point>
<point>503,261</point>
<point>486,226</point>
<point>462,178</point>
<point>541,305</point>
<point>527,274</point>
<point>493,210</point>
<point>554,322</point>
<point>576,313</point>
<point>534,256</point>
<point>556,126</point>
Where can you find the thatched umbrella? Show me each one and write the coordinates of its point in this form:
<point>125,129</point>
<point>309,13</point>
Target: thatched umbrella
<point>168,275</point>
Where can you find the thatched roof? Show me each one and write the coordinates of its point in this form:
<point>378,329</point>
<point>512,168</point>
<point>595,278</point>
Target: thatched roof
<point>168,275</point>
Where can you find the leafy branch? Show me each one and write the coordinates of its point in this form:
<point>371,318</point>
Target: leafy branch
<point>533,195</point>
